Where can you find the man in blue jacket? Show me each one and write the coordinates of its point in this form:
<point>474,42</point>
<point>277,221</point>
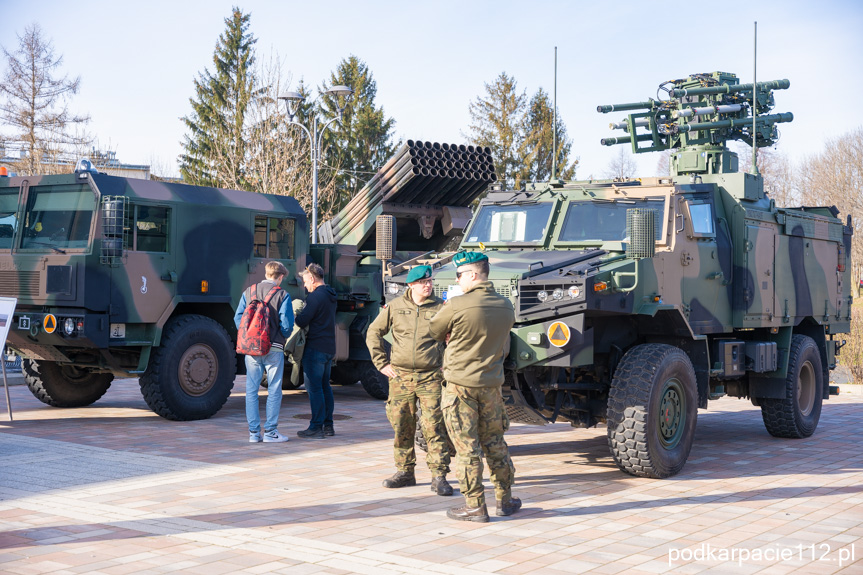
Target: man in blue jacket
<point>319,315</point>
<point>273,363</point>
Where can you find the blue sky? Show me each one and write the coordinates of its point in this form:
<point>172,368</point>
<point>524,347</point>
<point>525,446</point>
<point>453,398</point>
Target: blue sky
<point>137,61</point>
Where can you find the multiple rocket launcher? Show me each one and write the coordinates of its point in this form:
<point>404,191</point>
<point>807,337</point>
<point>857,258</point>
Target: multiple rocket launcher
<point>419,174</point>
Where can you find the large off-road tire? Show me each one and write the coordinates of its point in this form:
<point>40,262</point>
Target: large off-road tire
<point>344,373</point>
<point>374,382</point>
<point>190,375</point>
<point>796,416</point>
<point>652,409</point>
<point>64,385</point>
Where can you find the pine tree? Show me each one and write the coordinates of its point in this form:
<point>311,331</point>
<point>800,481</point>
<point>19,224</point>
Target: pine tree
<point>537,143</point>
<point>496,122</point>
<point>215,153</point>
<point>362,143</point>
<point>35,105</point>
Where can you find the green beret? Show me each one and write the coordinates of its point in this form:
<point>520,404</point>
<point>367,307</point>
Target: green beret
<point>419,273</point>
<point>463,258</point>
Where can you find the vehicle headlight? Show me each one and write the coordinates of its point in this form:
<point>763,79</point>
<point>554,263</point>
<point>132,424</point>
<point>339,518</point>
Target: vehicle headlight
<point>69,326</point>
<point>542,296</point>
<point>557,294</point>
<point>392,288</point>
<point>574,292</point>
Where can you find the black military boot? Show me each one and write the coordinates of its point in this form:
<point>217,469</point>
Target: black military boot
<point>505,508</point>
<point>478,514</point>
<point>401,479</point>
<point>440,486</point>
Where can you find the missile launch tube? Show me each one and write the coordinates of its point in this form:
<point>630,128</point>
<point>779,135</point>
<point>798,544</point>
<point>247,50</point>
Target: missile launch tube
<point>625,139</point>
<point>625,107</point>
<point>624,126</point>
<point>689,112</point>
<point>729,89</point>
<point>736,122</point>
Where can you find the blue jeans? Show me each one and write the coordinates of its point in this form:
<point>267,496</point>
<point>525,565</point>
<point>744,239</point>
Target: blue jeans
<point>274,364</point>
<point>316,374</point>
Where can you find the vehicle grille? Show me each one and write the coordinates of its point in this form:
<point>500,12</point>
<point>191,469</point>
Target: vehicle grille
<point>505,291</point>
<point>19,284</point>
<point>528,295</point>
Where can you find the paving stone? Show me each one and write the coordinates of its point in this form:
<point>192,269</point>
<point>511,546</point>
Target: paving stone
<point>114,489</point>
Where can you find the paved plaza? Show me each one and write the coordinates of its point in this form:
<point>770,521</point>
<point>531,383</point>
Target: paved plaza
<point>114,489</point>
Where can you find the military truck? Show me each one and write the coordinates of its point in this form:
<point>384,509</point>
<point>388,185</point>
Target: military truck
<point>639,300</point>
<point>120,277</point>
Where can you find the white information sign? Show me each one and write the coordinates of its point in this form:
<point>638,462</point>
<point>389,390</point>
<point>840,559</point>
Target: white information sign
<point>7,312</point>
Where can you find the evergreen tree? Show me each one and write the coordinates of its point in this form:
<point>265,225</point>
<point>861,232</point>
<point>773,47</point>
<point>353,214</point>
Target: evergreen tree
<point>358,146</point>
<point>496,122</point>
<point>537,143</point>
<point>35,105</point>
<point>214,148</point>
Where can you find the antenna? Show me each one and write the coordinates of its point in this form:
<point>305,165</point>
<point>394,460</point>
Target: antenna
<point>554,126</point>
<point>754,102</point>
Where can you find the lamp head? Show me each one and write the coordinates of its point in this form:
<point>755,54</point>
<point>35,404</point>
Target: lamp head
<point>342,94</point>
<point>293,101</point>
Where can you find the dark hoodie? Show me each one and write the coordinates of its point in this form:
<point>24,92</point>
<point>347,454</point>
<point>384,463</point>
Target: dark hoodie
<point>320,315</point>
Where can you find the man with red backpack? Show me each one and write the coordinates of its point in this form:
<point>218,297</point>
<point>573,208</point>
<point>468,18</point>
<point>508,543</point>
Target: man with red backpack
<point>264,319</point>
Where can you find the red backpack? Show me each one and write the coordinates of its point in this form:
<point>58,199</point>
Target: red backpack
<point>253,336</point>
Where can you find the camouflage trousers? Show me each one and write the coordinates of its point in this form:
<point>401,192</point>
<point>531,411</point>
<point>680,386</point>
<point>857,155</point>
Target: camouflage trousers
<point>476,421</point>
<point>405,389</point>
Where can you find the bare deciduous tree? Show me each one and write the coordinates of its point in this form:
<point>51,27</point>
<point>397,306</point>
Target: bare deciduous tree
<point>622,165</point>
<point>278,153</point>
<point>835,177</point>
<point>35,105</point>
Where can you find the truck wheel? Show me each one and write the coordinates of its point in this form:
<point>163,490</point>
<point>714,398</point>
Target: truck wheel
<point>344,373</point>
<point>796,416</point>
<point>64,385</point>
<point>374,382</point>
<point>652,408</point>
<point>191,374</point>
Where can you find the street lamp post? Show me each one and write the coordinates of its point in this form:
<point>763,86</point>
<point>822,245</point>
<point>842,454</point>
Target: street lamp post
<point>293,100</point>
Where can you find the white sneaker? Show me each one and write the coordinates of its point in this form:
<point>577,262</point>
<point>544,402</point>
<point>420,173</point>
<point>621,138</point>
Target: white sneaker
<point>254,437</point>
<point>274,437</point>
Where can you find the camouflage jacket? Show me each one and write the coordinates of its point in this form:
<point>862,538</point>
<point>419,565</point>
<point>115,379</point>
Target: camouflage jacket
<point>478,323</point>
<point>413,346</point>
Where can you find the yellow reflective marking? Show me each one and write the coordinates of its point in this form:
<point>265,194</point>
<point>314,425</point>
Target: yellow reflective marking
<point>50,323</point>
<point>558,334</point>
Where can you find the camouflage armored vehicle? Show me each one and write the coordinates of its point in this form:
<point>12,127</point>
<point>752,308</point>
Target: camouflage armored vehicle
<point>638,301</point>
<point>120,277</point>
<point>125,277</point>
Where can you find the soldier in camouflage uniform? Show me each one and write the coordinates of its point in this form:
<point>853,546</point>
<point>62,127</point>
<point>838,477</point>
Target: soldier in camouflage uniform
<point>478,324</point>
<point>414,371</point>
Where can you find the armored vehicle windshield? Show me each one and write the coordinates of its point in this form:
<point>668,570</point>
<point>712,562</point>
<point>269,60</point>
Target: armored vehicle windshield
<point>58,218</point>
<point>602,220</point>
<point>519,223</point>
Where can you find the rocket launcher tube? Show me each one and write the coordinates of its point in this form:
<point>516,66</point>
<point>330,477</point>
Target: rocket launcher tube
<point>625,107</point>
<point>728,89</point>
<point>689,112</point>
<point>623,126</point>
<point>736,123</point>
<point>626,139</point>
